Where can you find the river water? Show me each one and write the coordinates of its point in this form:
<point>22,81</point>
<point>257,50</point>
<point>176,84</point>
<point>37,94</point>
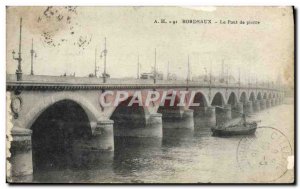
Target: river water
<point>181,156</point>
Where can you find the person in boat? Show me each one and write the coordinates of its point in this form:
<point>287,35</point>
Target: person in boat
<point>243,120</point>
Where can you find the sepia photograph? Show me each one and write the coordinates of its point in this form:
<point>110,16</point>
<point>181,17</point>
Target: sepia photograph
<point>150,94</point>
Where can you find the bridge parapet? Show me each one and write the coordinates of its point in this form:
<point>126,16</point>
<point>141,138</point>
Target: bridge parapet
<point>31,85</point>
<point>46,82</point>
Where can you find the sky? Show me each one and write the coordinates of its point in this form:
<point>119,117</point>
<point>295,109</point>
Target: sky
<point>65,39</point>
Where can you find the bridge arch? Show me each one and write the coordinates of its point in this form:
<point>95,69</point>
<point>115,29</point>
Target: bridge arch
<point>232,100</point>
<point>169,111</point>
<point>259,96</point>
<point>202,99</point>
<point>270,96</point>
<point>265,96</point>
<point>133,116</point>
<point>218,100</point>
<point>252,97</point>
<point>56,132</point>
<point>147,110</point>
<point>43,104</point>
<point>243,97</point>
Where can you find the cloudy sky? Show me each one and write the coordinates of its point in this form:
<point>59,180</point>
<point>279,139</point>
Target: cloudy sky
<point>65,39</point>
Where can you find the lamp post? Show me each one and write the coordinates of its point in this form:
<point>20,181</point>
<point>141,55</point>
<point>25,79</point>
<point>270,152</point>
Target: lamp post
<point>210,72</point>
<point>138,67</point>
<point>19,58</point>
<point>239,77</point>
<point>188,71</point>
<point>205,70</point>
<point>168,71</point>
<point>96,67</point>
<point>227,75</point>
<point>103,53</point>
<point>33,54</point>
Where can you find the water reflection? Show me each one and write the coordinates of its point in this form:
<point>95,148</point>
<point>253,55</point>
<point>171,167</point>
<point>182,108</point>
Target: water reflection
<point>134,154</point>
<point>76,167</point>
<point>182,155</point>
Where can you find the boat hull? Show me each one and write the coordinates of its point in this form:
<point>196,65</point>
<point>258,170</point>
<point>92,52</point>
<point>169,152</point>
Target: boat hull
<point>221,132</point>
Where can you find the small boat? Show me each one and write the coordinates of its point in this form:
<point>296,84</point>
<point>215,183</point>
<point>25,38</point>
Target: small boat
<point>247,128</point>
<point>235,127</point>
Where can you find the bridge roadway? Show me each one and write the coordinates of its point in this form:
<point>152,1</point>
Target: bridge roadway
<point>40,82</point>
<point>40,106</point>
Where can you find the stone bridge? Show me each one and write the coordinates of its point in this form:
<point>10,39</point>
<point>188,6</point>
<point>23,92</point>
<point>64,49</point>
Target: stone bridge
<point>37,110</point>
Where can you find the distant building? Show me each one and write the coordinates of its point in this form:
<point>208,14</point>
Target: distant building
<point>172,77</point>
<point>106,75</point>
<point>159,76</point>
<point>200,78</point>
<point>229,79</point>
<point>91,75</point>
<point>214,79</point>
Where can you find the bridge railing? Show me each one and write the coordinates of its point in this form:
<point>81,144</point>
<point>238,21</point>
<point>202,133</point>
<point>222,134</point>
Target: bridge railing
<point>92,82</point>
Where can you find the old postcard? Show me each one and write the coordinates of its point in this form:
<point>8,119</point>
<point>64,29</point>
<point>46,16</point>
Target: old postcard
<point>150,94</point>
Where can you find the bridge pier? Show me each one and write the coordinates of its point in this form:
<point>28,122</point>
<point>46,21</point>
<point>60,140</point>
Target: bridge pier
<point>248,107</point>
<point>210,115</point>
<point>99,147</point>
<point>223,114</point>
<point>181,121</point>
<point>256,105</point>
<point>20,168</point>
<point>153,128</point>
<point>276,101</point>
<point>206,117</point>
<point>102,138</point>
<point>188,118</point>
<point>272,102</point>
<point>263,104</point>
<point>237,110</point>
<point>268,103</point>
<point>199,112</point>
<point>280,100</point>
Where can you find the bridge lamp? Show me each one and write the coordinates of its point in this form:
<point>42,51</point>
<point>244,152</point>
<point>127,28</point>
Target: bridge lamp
<point>13,53</point>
